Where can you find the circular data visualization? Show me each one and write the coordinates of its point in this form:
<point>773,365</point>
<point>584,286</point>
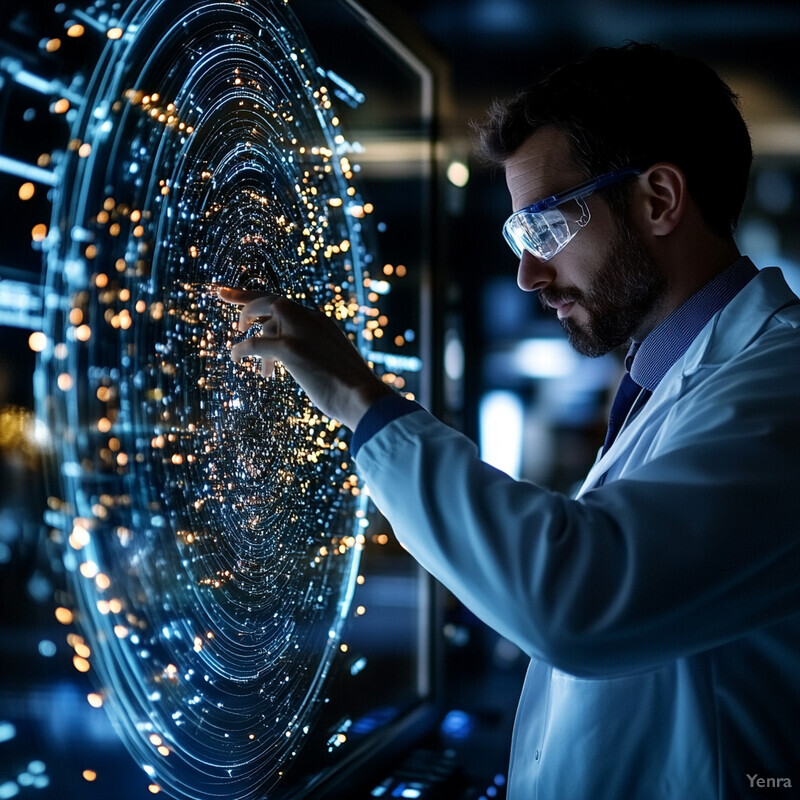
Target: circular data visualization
<point>214,520</point>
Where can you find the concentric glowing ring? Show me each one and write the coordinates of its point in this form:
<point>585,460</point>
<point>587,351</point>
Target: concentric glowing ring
<point>212,517</point>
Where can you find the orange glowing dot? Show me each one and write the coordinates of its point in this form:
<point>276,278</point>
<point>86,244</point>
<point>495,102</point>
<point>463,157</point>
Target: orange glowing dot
<point>138,231</point>
<point>37,341</point>
<point>388,269</point>
<point>79,538</point>
<point>101,281</point>
<point>89,775</point>
<point>84,150</point>
<point>360,610</point>
<point>154,788</point>
<point>88,569</point>
<point>136,216</point>
<point>114,229</point>
<point>51,45</point>
<point>95,700</point>
<point>155,739</point>
<point>103,581</point>
<point>82,650</point>
<point>26,191</point>
<point>76,30</point>
<point>177,458</point>
<point>401,270</point>
<point>122,459</point>
<point>114,33</point>
<point>104,424</point>
<point>80,664</point>
<point>343,648</point>
<point>91,251</point>
<point>43,160</point>
<point>64,381</point>
<point>120,264</point>
<point>39,232</point>
<point>163,750</point>
<point>61,106</point>
<point>64,615</point>
<point>83,333</point>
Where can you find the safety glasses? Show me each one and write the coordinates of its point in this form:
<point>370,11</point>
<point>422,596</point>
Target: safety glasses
<point>548,226</point>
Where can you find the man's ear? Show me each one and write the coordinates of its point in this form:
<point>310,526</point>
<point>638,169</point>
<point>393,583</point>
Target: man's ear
<point>663,198</point>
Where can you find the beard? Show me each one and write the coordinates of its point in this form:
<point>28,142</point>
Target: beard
<point>626,290</point>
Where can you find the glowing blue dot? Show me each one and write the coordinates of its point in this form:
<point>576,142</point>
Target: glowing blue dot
<point>7,731</point>
<point>36,767</point>
<point>8,789</point>
<point>47,648</point>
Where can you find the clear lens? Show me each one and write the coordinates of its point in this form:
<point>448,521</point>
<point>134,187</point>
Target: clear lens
<point>544,233</point>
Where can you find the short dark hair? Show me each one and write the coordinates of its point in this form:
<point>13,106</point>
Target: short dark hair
<point>636,105</point>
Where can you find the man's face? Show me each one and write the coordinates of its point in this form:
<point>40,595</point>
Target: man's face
<point>605,285</point>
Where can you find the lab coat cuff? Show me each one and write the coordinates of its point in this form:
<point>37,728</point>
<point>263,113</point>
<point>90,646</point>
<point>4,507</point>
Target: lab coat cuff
<point>378,416</point>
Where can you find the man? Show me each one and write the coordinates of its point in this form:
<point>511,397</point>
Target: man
<point>661,607</point>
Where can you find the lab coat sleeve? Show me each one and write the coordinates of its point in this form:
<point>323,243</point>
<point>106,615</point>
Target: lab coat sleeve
<point>692,548</point>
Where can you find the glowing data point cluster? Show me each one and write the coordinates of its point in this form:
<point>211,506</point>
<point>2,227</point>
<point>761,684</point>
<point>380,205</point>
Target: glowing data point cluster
<point>211,519</point>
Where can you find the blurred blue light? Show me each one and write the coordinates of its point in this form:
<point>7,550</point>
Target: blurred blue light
<point>457,724</point>
<point>8,789</point>
<point>7,731</point>
<point>47,648</point>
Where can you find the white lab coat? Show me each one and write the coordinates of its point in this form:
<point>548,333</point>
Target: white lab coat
<point>661,609</point>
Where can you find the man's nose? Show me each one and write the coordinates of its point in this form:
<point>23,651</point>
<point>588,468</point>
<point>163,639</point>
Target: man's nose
<point>534,274</point>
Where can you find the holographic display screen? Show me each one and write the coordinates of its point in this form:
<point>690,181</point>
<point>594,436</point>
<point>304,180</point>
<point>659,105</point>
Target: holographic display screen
<point>226,596</point>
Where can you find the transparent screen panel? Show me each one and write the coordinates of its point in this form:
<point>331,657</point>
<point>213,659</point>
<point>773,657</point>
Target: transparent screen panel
<point>227,598</point>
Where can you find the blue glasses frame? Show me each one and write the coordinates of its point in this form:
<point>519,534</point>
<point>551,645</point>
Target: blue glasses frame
<point>542,230</point>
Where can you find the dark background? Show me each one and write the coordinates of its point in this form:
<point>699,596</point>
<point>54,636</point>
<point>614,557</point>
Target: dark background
<point>480,49</point>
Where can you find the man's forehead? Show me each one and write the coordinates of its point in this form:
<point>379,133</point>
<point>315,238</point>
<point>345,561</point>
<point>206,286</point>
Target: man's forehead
<point>541,166</point>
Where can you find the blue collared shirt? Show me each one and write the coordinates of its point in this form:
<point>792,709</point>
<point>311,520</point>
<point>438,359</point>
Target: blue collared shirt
<point>648,361</point>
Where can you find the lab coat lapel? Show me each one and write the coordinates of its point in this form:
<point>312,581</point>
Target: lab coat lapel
<point>666,394</point>
<point>724,336</point>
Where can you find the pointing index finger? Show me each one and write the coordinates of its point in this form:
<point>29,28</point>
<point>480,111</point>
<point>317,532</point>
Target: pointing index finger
<point>239,296</point>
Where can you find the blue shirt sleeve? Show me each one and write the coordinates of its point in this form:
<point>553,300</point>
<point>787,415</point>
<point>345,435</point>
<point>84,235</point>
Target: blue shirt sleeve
<point>378,416</point>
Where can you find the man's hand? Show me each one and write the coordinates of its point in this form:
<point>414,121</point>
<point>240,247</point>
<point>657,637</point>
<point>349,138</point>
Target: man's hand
<point>314,350</point>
